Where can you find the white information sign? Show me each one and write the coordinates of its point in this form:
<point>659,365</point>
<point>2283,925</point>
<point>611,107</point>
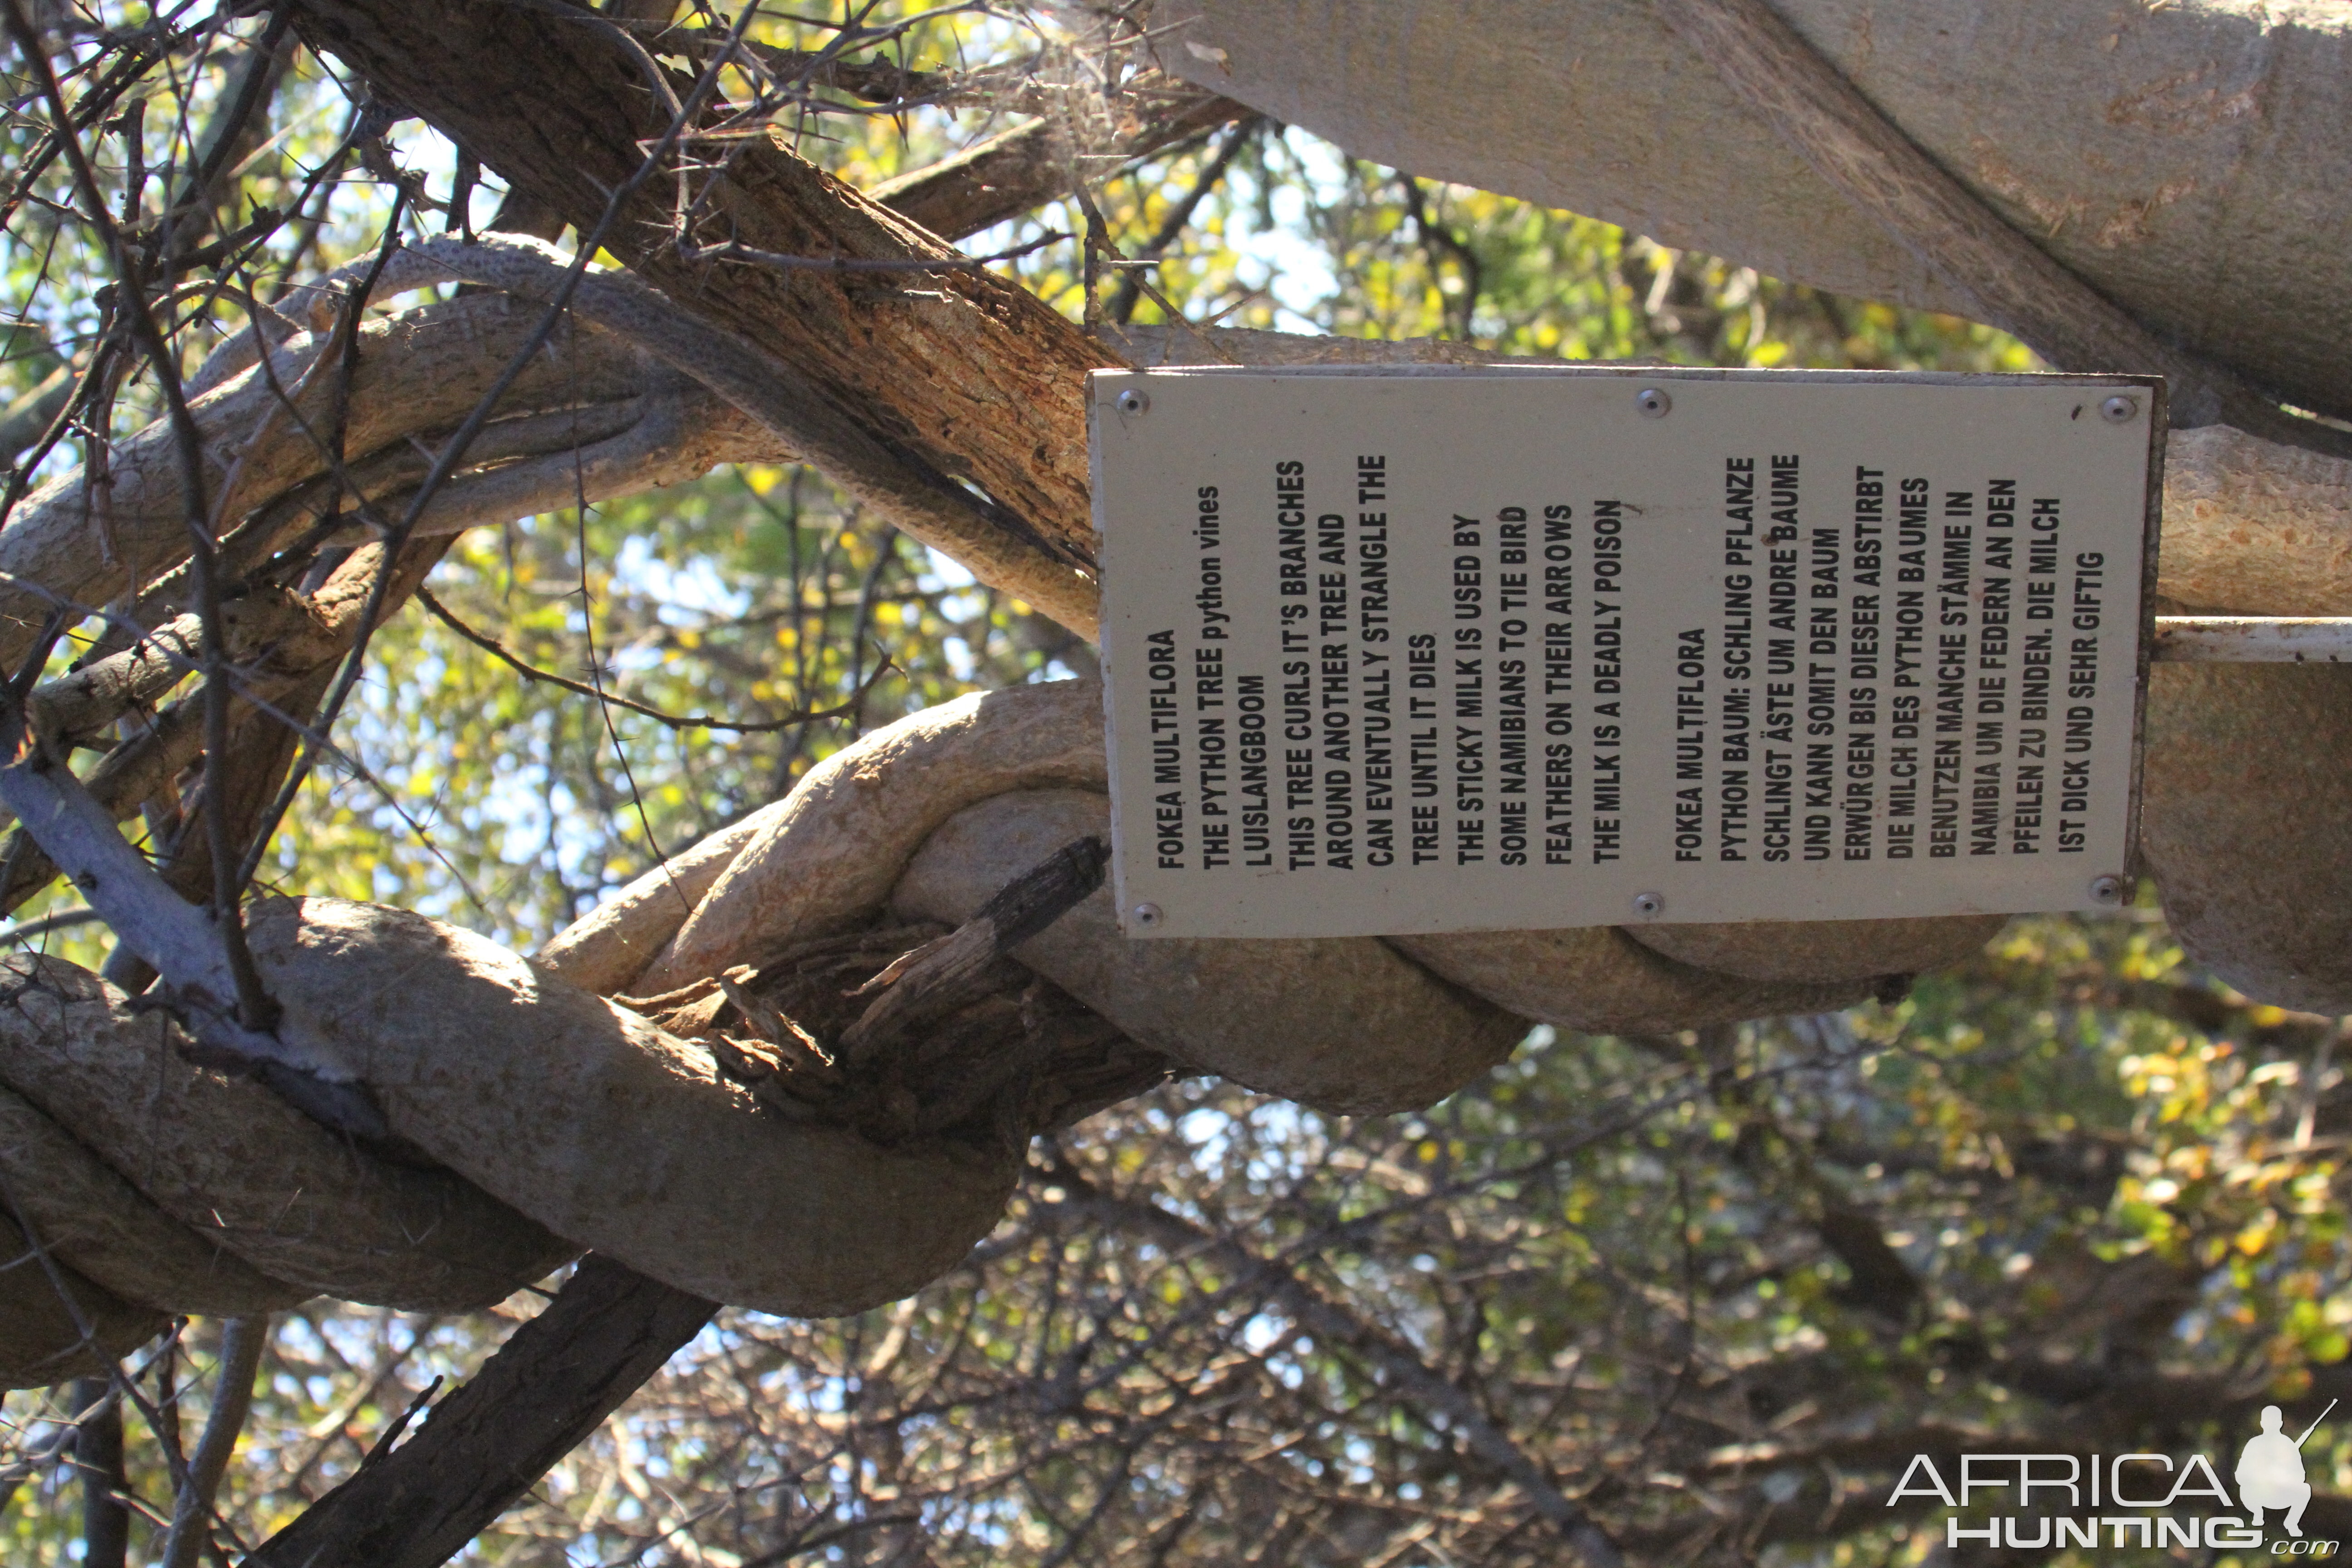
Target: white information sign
<point>1493,648</point>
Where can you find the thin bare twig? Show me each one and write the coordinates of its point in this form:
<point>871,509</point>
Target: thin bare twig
<point>242,1342</point>
<point>400,1423</point>
<point>782,263</point>
<point>256,1010</point>
<point>1128,293</point>
<point>505,656</point>
<point>63,920</point>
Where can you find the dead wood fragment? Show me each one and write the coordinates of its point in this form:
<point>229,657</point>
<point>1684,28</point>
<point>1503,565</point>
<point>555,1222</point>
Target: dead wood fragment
<point>768,1077</point>
<point>814,982</point>
<point>941,975</point>
<point>977,1047</point>
<point>1344,1025</point>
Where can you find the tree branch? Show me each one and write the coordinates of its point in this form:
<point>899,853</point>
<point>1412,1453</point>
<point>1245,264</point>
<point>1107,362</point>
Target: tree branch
<point>552,1384</point>
<point>1031,164</point>
<point>1396,1362</point>
<point>242,1342</point>
<point>2011,281</point>
<point>505,655</point>
<point>97,1455</point>
<point>971,380</point>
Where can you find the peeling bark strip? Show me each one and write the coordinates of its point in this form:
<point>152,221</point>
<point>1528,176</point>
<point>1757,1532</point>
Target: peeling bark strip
<point>550,1385</point>
<point>944,975</point>
<point>962,373</point>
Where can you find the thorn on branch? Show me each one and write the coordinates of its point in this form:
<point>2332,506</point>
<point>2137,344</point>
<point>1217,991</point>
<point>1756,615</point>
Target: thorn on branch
<point>399,1422</point>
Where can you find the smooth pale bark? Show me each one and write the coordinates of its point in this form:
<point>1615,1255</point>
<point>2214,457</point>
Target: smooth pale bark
<point>2186,160</point>
<point>242,1171</point>
<point>828,858</point>
<point>2246,820</point>
<point>417,372</point>
<point>1345,1025</point>
<point>2254,527</point>
<point>612,1132</point>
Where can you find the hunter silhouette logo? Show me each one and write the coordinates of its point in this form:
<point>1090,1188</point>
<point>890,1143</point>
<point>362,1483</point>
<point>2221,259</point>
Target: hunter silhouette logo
<point>2150,1493</point>
<point>2270,1470</point>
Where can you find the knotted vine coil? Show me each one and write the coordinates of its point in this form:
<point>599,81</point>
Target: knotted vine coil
<point>742,1152</point>
<point>687,1082</point>
<point>736,1124</point>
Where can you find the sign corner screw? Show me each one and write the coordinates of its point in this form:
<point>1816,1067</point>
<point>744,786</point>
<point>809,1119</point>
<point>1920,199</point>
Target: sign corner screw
<point>1134,400</point>
<point>1649,906</point>
<point>2119,409</point>
<point>1652,401</point>
<point>1146,915</point>
<point>2107,889</point>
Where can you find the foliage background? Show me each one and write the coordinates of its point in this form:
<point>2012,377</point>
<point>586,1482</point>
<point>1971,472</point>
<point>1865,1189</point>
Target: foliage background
<point>1713,1286</point>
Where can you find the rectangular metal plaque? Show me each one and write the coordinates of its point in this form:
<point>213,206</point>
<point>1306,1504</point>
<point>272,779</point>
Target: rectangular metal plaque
<point>1495,648</point>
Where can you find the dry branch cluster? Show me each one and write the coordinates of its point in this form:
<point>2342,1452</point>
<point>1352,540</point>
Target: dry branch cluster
<point>306,478</point>
<point>741,1132</point>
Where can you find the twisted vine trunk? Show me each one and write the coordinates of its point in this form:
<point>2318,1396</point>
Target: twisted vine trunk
<point>964,378</point>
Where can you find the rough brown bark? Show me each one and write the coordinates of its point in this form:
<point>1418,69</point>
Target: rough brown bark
<point>963,373</point>
<point>550,1385</point>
